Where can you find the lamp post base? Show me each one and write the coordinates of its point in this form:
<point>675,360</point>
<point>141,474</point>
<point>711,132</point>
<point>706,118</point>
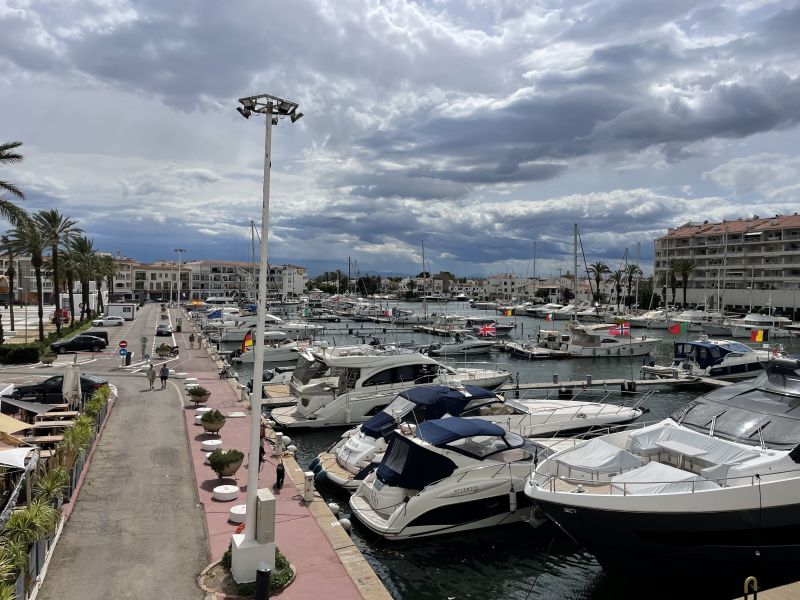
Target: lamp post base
<point>247,556</point>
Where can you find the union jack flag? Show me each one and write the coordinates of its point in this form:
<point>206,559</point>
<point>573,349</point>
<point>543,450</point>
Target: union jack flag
<point>621,329</point>
<point>488,330</point>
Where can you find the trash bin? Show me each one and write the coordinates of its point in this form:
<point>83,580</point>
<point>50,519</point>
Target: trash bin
<point>178,324</point>
<point>128,358</point>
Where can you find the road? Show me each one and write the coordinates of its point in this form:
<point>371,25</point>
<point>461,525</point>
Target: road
<point>136,530</point>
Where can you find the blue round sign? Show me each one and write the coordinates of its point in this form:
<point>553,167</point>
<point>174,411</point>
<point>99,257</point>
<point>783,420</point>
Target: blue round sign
<point>122,352</point>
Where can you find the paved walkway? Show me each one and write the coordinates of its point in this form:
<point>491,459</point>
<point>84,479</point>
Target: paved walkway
<point>136,530</point>
<point>326,561</point>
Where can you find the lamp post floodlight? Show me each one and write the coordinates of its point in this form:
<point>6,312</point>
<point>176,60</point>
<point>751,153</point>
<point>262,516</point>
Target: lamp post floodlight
<point>247,551</point>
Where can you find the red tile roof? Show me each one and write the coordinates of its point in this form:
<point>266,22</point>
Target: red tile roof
<point>739,226</point>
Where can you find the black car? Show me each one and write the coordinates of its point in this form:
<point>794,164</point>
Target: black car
<point>49,390</point>
<point>81,341</point>
<point>163,330</point>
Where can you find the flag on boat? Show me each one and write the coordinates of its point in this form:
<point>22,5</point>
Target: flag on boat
<point>215,314</point>
<point>621,329</point>
<point>548,317</point>
<point>507,312</point>
<point>247,342</point>
<point>387,313</point>
<point>759,335</point>
<point>678,328</point>
<point>488,330</point>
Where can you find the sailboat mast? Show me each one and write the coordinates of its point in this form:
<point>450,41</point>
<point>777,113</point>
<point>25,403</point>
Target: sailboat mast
<point>575,270</point>
<point>638,269</point>
<point>424,283</point>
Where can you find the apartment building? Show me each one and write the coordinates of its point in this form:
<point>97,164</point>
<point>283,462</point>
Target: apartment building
<point>738,264</point>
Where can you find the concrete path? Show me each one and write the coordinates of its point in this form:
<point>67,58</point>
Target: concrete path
<point>136,530</point>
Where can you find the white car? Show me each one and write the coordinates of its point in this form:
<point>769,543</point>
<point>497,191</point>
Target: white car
<point>108,321</point>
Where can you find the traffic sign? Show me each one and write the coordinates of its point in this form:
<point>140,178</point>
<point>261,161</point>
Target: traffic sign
<point>123,344</point>
<point>147,357</point>
<point>123,352</point>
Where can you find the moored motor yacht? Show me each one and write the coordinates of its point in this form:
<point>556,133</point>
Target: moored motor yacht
<point>772,325</point>
<point>607,340</point>
<point>360,449</point>
<point>446,476</point>
<point>342,387</point>
<point>717,484</point>
<point>462,344</point>
<point>718,359</point>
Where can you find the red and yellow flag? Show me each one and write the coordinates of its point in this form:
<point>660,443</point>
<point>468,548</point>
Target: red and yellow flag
<point>758,335</point>
<point>247,342</point>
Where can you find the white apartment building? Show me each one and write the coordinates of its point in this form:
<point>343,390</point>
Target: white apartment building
<point>743,263</point>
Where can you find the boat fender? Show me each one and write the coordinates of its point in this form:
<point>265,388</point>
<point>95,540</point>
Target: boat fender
<point>314,462</point>
<point>320,476</point>
<point>334,508</point>
<point>316,468</point>
<point>345,523</point>
<point>240,528</point>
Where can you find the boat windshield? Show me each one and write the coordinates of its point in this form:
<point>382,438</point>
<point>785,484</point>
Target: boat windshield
<point>483,446</point>
<point>306,369</point>
<point>737,347</point>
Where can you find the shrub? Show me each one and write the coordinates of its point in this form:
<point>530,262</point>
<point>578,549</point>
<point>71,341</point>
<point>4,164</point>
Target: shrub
<point>198,391</point>
<point>19,353</point>
<point>220,459</point>
<point>50,485</point>
<point>213,416</point>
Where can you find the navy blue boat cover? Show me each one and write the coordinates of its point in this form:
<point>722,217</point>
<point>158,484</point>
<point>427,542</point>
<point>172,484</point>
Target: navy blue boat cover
<point>444,431</point>
<point>409,465</point>
<point>438,401</point>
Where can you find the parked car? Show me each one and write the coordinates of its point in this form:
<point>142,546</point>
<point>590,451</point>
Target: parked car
<point>49,390</point>
<point>164,330</point>
<point>81,341</point>
<point>111,321</point>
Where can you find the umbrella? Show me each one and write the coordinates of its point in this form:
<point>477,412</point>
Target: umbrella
<point>71,388</point>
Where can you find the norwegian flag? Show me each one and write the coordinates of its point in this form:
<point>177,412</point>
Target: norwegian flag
<point>488,330</point>
<point>621,329</point>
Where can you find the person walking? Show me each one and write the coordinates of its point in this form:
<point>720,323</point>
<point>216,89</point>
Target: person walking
<point>164,373</point>
<point>151,376</point>
<point>191,340</point>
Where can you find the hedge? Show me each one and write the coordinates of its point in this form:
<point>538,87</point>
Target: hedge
<point>19,353</point>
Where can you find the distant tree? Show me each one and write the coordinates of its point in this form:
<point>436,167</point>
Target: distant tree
<point>616,278</point>
<point>597,270</point>
<point>424,275</point>
<point>631,273</point>
<point>683,268</point>
<point>7,246</point>
<point>673,284</point>
<point>57,231</point>
<point>8,210</point>
<point>27,238</point>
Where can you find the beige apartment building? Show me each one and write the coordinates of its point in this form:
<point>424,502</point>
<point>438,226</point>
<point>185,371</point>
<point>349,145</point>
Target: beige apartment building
<point>742,263</point>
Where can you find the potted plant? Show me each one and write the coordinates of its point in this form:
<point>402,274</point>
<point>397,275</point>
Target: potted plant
<point>225,462</point>
<point>199,394</point>
<point>212,421</point>
<point>48,358</point>
<point>163,350</point>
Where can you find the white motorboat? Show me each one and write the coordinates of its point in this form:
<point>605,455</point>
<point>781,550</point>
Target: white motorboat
<point>773,325</point>
<point>462,344</point>
<point>336,387</point>
<point>649,319</point>
<point>236,330</point>
<point>360,449</point>
<point>277,349</point>
<point>482,324</point>
<point>446,476</point>
<point>694,319</point>
<point>543,310</point>
<point>718,359</point>
<point>715,485</point>
<point>600,341</point>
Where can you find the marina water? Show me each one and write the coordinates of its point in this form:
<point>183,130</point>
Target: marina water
<point>514,562</point>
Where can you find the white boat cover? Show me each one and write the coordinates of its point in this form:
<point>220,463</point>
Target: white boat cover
<point>710,450</point>
<point>657,478</point>
<point>14,457</point>
<point>598,456</point>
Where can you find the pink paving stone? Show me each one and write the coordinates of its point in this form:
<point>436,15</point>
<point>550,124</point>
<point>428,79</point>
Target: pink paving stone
<point>297,533</point>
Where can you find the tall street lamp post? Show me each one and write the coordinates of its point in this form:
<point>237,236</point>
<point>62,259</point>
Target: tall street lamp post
<point>180,252</point>
<point>247,551</point>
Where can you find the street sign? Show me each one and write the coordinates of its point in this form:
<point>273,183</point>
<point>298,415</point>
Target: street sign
<point>144,340</point>
<point>123,344</point>
<point>123,352</point>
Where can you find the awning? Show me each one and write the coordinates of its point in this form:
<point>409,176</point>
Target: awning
<point>34,407</point>
<point>11,425</point>
<point>15,457</point>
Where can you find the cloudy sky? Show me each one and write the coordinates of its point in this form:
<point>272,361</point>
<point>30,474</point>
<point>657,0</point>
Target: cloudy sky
<point>479,126</point>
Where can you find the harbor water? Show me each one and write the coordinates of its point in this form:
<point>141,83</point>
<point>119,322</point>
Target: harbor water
<point>515,562</point>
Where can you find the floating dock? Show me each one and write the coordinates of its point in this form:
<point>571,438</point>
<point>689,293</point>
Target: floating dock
<point>625,385</point>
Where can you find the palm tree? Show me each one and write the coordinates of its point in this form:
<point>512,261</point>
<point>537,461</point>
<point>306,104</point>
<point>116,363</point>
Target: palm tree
<point>616,278</point>
<point>597,270</point>
<point>27,238</point>
<point>84,258</point>
<point>108,270</point>
<point>68,266</point>
<point>57,230</point>
<point>673,284</point>
<point>683,268</point>
<point>8,210</point>
<point>631,272</point>
<point>8,247</point>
